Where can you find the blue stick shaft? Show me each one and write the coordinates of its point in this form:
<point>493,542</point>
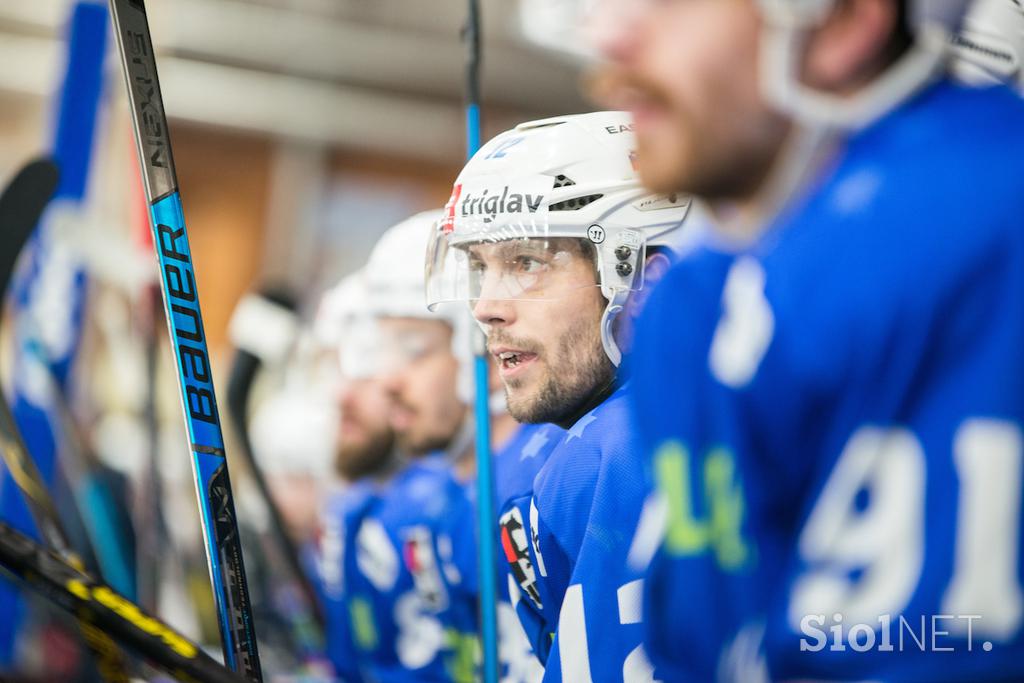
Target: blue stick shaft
<point>486,513</point>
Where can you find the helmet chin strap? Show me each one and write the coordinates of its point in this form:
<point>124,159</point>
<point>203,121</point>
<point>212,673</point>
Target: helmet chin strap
<point>781,48</point>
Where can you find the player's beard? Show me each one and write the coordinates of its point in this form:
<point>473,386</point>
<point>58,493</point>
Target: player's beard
<point>367,457</point>
<point>415,445</point>
<point>576,372</point>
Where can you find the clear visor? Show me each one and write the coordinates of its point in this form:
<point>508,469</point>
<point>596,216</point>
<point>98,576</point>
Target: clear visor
<point>376,348</point>
<point>358,350</point>
<point>398,349</point>
<point>512,269</point>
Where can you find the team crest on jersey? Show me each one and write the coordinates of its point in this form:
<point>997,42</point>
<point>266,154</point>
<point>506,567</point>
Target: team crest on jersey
<point>420,560</point>
<point>514,544</point>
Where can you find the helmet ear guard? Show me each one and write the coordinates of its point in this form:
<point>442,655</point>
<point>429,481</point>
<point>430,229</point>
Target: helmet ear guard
<point>621,254</point>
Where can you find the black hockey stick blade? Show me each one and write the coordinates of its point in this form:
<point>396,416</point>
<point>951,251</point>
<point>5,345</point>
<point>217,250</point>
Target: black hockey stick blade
<point>243,373</point>
<point>21,206</point>
<point>99,607</point>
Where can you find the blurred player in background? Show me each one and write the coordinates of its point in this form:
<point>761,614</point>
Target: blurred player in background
<point>833,404</point>
<point>407,589</point>
<point>552,239</point>
<point>365,459</point>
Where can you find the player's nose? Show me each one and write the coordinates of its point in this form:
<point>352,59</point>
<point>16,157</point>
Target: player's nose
<point>345,393</point>
<point>494,312</point>
<point>612,28</point>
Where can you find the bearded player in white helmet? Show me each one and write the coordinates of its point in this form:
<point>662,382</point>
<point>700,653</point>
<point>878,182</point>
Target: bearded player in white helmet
<point>409,566</point>
<point>410,617</point>
<point>550,238</point>
<point>365,460</point>
<point>834,404</point>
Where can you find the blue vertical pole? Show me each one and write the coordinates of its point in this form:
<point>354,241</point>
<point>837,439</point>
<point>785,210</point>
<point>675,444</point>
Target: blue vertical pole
<point>486,514</point>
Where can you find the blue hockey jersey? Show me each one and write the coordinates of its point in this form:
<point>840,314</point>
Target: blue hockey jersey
<point>579,599</point>
<point>515,466</point>
<point>834,418</point>
<point>342,512</point>
<point>402,610</point>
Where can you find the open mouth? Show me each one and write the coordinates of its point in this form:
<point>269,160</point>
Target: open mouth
<point>401,417</point>
<point>511,361</point>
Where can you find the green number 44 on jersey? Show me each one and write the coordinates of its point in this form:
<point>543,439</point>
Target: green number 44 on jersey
<point>717,527</point>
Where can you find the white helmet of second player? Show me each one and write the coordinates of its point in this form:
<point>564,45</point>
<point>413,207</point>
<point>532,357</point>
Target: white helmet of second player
<point>344,322</point>
<point>552,185</point>
<point>395,289</point>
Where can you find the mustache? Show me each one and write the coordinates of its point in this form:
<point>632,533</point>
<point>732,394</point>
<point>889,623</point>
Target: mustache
<point>614,87</point>
<point>398,404</point>
<point>498,338</point>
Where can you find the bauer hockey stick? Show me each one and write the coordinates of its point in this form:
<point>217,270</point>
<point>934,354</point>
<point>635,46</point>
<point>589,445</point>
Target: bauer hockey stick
<point>484,476</point>
<point>188,341</point>
<point>21,207</point>
<point>99,608</point>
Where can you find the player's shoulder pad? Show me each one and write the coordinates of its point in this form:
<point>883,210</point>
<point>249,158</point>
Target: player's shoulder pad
<point>353,497</point>
<point>569,477</point>
<point>427,486</point>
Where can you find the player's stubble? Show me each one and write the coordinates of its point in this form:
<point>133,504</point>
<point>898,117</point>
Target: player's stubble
<point>574,369</point>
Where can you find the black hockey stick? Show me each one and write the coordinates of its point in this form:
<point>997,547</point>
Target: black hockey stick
<point>305,619</point>
<point>21,207</point>
<point>105,517</point>
<point>188,339</point>
<point>149,513</point>
<point>100,609</point>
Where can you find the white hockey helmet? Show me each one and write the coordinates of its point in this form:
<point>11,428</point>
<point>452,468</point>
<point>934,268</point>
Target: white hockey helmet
<point>787,26</point>
<point>557,26</point>
<point>538,189</point>
<point>990,45</point>
<point>395,289</point>
<point>344,322</point>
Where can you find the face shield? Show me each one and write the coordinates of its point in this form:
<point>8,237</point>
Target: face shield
<point>404,342</point>
<point>359,352</point>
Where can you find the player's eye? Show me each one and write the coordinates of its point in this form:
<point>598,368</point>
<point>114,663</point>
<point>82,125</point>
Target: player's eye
<point>529,264</point>
<point>477,265</point>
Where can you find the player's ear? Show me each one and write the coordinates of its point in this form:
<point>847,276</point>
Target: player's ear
<point>851,46</point>
<point>655,267</point>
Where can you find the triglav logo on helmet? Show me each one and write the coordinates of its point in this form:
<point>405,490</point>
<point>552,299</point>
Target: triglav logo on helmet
<point>489,205</point>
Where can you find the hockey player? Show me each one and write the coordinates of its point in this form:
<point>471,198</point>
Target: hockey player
<point>409,559</point>
<point>366,441</point>
<point>834,404</point>
<point>552,239</point>
<point>365,460</point>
